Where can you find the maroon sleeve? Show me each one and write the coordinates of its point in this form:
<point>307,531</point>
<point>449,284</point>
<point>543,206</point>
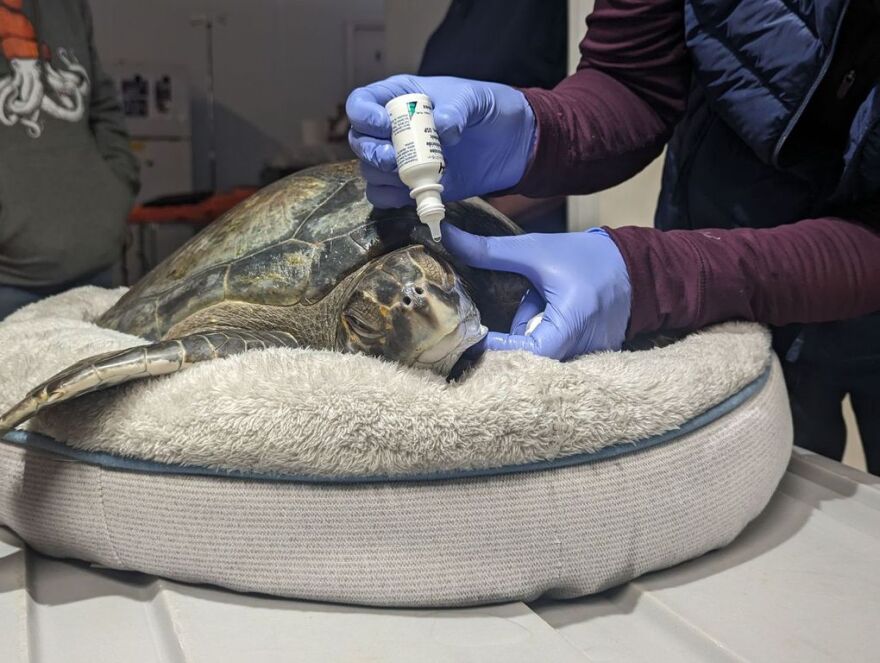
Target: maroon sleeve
<point>812,271</point>
<point>611,118</point>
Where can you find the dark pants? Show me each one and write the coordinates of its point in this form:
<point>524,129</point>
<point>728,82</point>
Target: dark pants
<point>834,360</point>
<point>13,298</point>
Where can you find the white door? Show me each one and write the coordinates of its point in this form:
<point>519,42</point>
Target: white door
<point>366,53</point>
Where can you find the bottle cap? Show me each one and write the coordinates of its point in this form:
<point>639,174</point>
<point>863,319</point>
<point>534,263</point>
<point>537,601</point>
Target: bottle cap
<point>429,207</point>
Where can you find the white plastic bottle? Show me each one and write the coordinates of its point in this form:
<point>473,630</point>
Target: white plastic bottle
<point>419,157</point>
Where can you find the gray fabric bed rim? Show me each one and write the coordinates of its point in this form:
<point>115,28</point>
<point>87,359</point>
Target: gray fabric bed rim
<point>40,442</point>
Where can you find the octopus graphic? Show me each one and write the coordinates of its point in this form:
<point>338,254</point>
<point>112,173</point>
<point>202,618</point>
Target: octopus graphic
<point>35,85</point>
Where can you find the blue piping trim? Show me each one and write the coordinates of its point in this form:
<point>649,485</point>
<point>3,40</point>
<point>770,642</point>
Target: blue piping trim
<point>39,442</point>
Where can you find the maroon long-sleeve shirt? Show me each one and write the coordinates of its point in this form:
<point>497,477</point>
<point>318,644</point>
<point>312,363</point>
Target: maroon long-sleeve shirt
<point>611,118</point>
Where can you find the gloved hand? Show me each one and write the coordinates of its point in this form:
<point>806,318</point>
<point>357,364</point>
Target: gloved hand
<point>579,280</point>
<point>487,132</point>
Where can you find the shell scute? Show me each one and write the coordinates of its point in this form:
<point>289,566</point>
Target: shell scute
<point>276,276</point>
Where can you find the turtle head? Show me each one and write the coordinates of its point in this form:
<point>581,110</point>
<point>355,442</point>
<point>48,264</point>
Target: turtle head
<point>410,306</point>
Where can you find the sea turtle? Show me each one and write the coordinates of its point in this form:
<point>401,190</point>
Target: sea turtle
<point>304,262</point>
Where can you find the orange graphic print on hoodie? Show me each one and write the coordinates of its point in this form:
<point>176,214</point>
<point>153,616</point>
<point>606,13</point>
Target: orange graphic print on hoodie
<point>35,85</point>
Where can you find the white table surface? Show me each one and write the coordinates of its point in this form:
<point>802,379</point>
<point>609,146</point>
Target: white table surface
<point>801,584</point>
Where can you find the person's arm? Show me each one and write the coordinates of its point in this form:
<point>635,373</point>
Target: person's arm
<point>597,128</point>
<point>610,119</point>
<point>816,270</point>
<point>106,118</point>
<point>596,289</point>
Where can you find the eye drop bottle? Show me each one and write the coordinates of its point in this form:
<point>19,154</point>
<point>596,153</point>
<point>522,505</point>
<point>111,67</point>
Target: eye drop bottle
<point>419,157</point>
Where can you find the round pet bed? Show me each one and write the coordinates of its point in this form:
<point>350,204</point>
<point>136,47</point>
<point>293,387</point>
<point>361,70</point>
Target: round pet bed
<point>321,476</point>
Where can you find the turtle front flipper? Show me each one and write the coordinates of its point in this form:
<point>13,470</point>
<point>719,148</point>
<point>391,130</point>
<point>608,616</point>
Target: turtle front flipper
<point>144,361</point>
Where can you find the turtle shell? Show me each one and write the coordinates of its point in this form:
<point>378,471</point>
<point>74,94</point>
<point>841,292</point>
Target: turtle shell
<point>292,243</point>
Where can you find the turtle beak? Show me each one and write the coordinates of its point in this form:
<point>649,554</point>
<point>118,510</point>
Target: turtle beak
<point>468,331</point>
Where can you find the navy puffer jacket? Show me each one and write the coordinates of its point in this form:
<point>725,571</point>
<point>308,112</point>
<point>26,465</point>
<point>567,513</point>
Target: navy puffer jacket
<point>756,65</point>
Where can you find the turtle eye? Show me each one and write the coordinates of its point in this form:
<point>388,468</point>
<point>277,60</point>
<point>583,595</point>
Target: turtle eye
<point>361,328</point>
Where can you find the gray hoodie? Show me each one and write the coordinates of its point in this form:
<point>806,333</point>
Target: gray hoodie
<point>67,177</point>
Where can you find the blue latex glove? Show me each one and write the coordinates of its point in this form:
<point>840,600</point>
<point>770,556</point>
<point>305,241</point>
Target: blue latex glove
<point>487,132</point>
<point>579,280</point>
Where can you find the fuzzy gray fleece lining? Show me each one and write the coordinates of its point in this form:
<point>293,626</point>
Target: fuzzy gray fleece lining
<point>322,413</point>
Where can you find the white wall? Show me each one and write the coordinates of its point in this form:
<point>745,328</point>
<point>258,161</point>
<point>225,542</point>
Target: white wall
<point>277,62</point>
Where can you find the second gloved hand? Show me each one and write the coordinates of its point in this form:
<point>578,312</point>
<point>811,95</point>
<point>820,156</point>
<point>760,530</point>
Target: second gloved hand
<point>579,281</point>
<point>487,131</point>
